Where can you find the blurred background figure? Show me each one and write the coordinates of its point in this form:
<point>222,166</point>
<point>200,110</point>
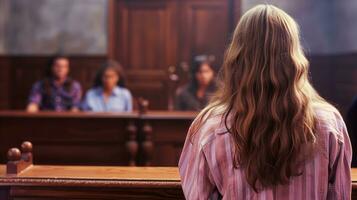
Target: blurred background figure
<point>109,92</point>
<point>352,129</point>
<point>56,91</point>
<point>195,95</point>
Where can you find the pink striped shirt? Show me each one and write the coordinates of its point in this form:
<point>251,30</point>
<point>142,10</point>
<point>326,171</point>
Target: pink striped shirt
<point>207,171</point>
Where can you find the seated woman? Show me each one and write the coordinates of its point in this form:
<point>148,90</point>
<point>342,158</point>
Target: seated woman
<point>109,92</point>
<point>267,134</point>
<point>56,91</point>
<point>195,95</point>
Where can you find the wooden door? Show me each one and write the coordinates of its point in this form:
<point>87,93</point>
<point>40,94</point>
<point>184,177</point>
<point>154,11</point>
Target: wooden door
<point>145,43</point>
<point>205,26</point>
<point>149,36</point>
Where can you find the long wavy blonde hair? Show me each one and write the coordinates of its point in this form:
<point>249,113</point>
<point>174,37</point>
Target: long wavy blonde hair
<point>266,99</point>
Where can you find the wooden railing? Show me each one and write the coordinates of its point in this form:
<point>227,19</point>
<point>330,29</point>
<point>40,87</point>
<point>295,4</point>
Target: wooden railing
<point>139,138</point>
<point>21,179</point>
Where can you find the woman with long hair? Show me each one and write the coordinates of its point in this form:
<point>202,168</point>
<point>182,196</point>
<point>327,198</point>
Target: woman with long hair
<point>266,134</point>
<point>57,91</point>
<point>195,95</point>
<point>109,92</point>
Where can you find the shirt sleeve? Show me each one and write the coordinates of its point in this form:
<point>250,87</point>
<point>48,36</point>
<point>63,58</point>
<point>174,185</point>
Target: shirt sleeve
<point>86,105</point>
<point>179,103</point>
<point>196,179</point>
<point>36,94</point>
<point>340,155</point>
<point>128,102</point>
<point>77,95</point>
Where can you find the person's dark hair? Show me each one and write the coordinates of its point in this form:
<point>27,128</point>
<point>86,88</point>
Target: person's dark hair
<point>197,63</point>
<point>110,64</point>
<point>49,75</point>
<point>51,62</point>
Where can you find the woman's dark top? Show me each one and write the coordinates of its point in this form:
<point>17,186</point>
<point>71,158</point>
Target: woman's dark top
<point>186,100</point>
<point>57,98</point>
<point>352,129</point>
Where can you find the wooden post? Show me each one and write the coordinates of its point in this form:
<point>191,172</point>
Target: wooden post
<point>143,105</point>
<point>17,161</point>
<point>146,130</point>
<point>132,144</point>
<point>26,148</point>
<point>147,144</point>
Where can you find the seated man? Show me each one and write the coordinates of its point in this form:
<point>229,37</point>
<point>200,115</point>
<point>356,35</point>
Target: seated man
<point>57,91</point>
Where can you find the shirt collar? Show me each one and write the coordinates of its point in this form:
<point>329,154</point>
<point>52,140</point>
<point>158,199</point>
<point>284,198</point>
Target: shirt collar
<point>115,92</point>
<point>52,82</point>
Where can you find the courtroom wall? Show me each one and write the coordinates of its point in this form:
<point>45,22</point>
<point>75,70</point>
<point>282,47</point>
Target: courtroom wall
<point>80,26</point>
<point>327,27</point>
<point>4,16</point>
<point>50,26</point>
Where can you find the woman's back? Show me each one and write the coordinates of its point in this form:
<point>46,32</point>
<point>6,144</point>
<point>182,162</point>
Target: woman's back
<point>207,170</point>
<point>273,136</point>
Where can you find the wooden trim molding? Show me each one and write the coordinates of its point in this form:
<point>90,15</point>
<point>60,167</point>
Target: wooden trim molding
<point>34,182</point>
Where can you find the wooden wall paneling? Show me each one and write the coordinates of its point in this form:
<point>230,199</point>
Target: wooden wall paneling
<point>205,29</point>
<point>146,45</point>
<point>24,72</point>
<point>155,138</point>
<point>149,36</point>
<point>69,139</point>
<point>168,140</point>
<point>4,82</point>
<point>167,137</point>
<point>84,69</point>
